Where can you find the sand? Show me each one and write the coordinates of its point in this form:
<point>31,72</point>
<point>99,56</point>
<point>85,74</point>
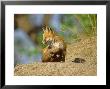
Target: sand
<point>85,49</point>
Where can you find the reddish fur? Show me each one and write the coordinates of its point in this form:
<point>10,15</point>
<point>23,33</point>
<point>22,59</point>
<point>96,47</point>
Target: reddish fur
<point>50,53</point>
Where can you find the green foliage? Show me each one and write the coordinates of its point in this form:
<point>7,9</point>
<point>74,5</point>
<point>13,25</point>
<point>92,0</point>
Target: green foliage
<point>74,24</point>
<point>33,52</point>
<point>88,23</point>
<point>39,39</point>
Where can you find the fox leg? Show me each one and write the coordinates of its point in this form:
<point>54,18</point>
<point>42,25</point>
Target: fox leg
<point>45,55</point>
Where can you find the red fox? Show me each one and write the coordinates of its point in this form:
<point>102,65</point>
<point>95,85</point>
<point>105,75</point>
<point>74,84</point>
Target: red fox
<point>56,46</point>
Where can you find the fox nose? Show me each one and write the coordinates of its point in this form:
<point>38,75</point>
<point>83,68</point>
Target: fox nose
<point>49,42</point>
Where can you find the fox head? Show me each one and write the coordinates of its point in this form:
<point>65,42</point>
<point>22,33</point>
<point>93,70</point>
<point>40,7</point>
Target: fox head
<point>48,35</point>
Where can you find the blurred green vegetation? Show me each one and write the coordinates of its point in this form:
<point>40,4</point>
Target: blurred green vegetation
<point>88,23</point>
<point>77,24</point>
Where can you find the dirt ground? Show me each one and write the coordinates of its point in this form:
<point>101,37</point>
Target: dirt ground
<point>85,49</point>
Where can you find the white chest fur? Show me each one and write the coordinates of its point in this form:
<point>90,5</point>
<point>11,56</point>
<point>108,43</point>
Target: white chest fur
<point>58,45</point>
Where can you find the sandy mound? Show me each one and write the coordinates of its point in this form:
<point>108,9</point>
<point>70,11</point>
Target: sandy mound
<point>85,49</point>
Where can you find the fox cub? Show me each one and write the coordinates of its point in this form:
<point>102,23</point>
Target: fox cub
<point>55,50</point>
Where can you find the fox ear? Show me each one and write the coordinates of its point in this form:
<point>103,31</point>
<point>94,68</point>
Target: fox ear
<point>44,27</point>
<point>50,29</point>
